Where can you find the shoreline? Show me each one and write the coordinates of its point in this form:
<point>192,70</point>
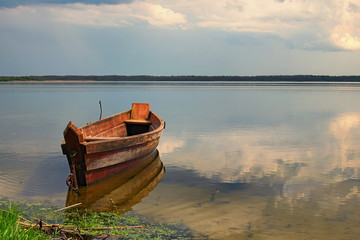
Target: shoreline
<point>148,78</point>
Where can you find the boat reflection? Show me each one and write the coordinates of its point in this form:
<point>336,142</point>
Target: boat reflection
<point>119,193</point>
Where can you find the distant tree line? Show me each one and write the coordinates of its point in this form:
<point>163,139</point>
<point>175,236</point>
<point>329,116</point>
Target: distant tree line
<point>20,78</point>
<point>272,78</point>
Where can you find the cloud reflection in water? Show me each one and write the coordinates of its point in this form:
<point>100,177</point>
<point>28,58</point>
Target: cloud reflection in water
<point>282,153</point>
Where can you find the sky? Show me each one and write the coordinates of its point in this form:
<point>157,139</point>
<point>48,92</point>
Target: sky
<point>182,37</point>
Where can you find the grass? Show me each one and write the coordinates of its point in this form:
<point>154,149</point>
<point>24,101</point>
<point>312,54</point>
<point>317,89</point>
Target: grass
<point>127,226</point>
<point>11,229</point>
<point>22,220</point>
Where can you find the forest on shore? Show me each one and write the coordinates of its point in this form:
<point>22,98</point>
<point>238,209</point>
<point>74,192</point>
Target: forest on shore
<point>270,78</point>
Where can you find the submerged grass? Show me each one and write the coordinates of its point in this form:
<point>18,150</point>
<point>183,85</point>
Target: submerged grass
<point>22,220</point>
<point>127,226</point>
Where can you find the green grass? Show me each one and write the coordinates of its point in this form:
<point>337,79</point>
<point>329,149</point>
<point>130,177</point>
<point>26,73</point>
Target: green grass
<point>10,228</point>
<point>134,226</point>
<point>77,224</point>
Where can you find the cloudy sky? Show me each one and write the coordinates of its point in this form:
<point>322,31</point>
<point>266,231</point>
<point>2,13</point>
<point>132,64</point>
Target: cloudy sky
<point>182,37</point>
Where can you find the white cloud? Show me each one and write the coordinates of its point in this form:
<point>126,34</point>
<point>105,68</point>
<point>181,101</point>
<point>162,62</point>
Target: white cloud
<point>157,15</point>
<point>333,22</point>
<point>104,15</point>
<point>304,23</point>
<point>346,33</point>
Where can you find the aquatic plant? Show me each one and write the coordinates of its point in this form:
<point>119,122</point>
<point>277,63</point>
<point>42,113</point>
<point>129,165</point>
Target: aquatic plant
<point>22,220</point>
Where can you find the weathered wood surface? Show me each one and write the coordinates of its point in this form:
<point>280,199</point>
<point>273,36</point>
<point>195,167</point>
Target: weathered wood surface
<point>111,144</point>
<point>117,131</point>
<point>107,143</point>
<point>109,158</point>
<point>91,139</point>
<point>140,111</point>
<point>106,124</point>
<point>101,173</point>
<point>74,153</point>
<point>138,121</point>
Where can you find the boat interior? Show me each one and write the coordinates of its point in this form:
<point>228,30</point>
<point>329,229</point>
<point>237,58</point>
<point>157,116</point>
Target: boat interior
<point>136,121</point>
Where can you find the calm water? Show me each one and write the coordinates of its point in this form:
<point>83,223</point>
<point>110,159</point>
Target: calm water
<point>243,160</point>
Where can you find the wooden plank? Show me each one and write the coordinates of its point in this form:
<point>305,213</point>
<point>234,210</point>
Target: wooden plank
<point>140,111</point>
<point>73,149</point>
<point>109,145</point>
<point>105,159</point>
<point>73,136</point>
<point>105,124</point>
<point>138,121</point>
<point>101,173</point>
<point>117,131</point>
<point>92,139</point>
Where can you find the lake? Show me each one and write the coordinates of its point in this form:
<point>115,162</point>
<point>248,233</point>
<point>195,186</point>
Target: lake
<point>244,160</point>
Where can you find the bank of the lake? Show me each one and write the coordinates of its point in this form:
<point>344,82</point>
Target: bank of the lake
<point>29,221</point>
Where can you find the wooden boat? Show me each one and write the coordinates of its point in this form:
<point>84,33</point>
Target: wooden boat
<point>107,146</point>
<point>121,191</point>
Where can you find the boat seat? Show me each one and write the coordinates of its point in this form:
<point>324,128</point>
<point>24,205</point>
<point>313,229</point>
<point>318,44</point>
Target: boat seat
<point>140,111</point>
<point>137,121</point>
